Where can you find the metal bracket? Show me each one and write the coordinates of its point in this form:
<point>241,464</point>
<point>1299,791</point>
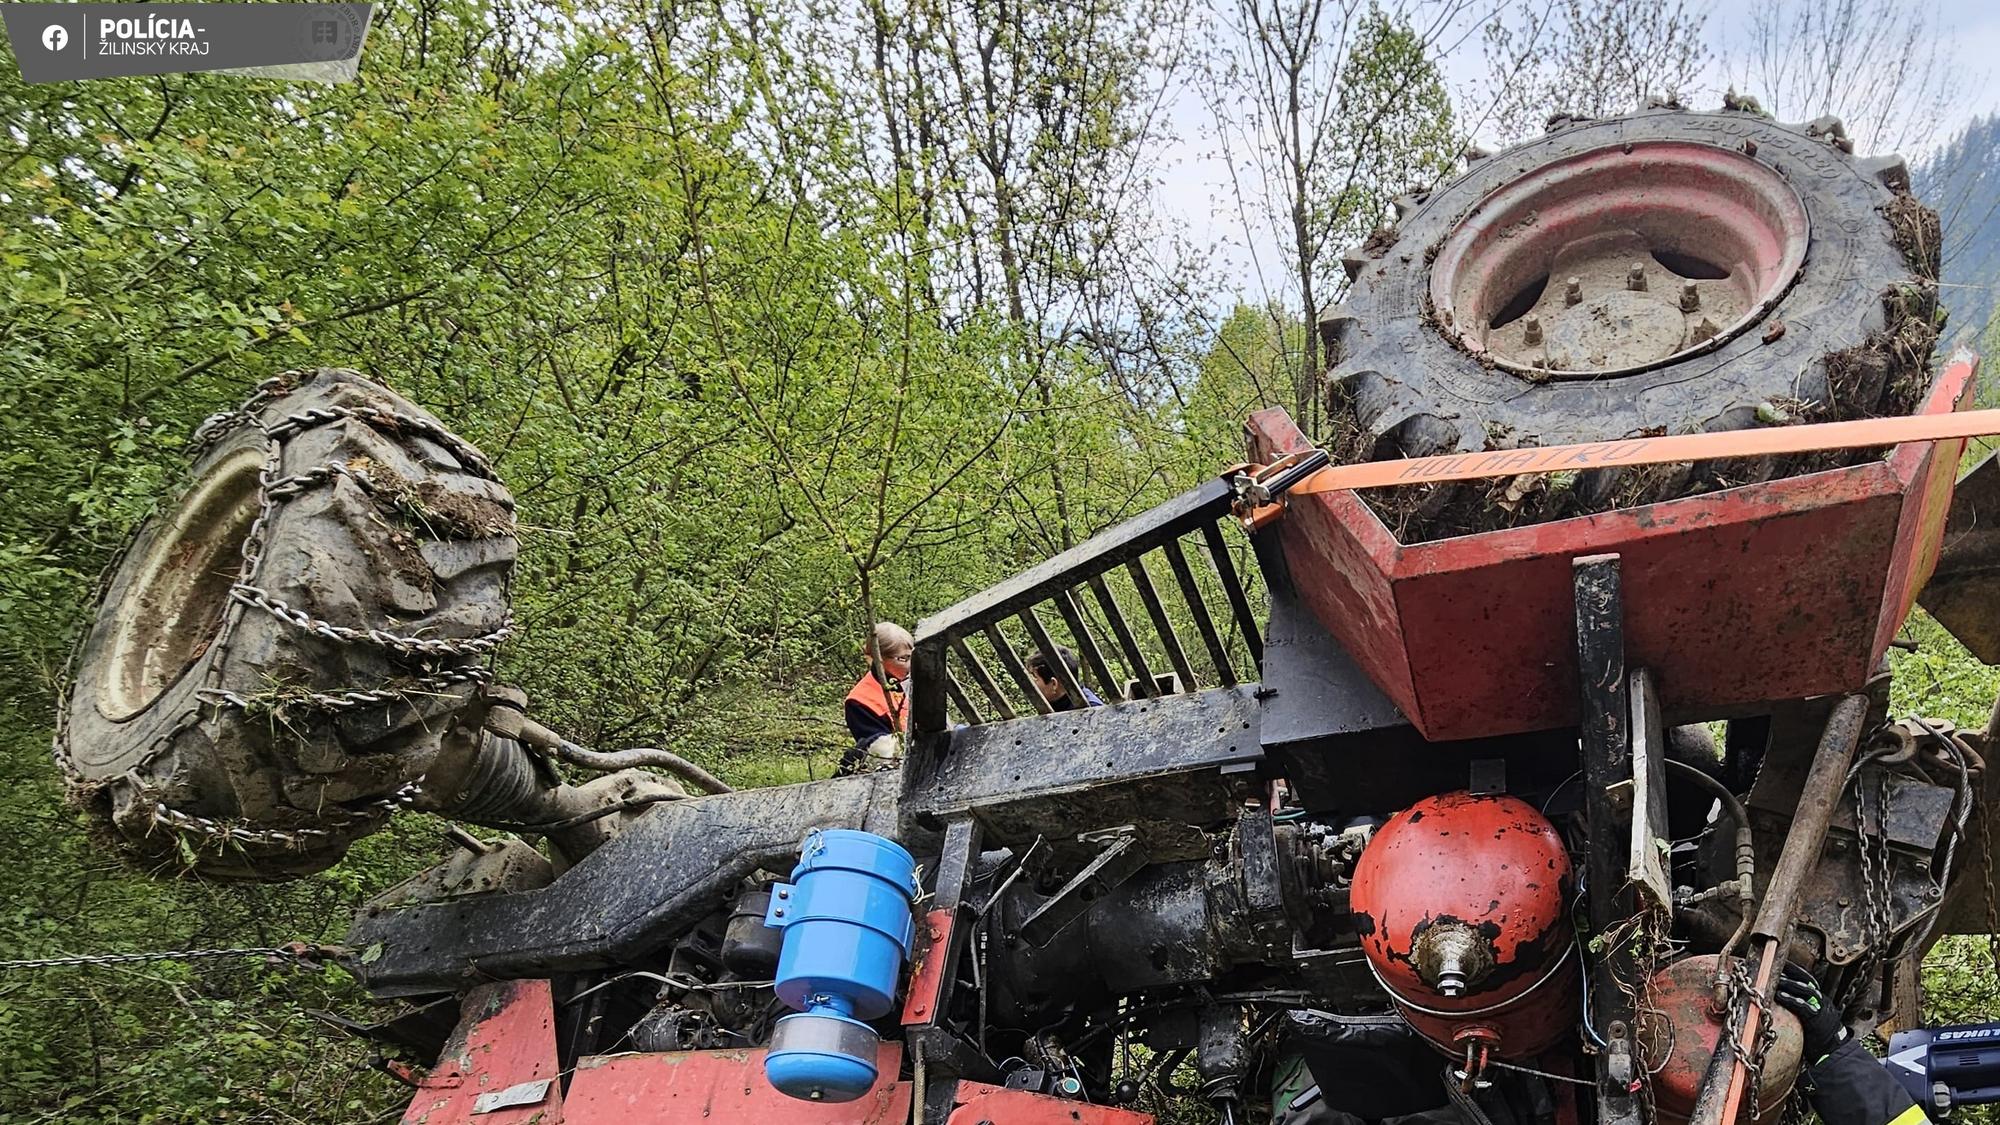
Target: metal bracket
<point>1605,722</point>
<point>1645,864</point>
<point>937,975</point>
<point>1121,858</point>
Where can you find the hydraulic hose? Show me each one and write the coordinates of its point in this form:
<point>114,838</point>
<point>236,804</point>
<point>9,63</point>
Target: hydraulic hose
<point>1746,857</point>
<point>636,757</point>
<point>510,720</point>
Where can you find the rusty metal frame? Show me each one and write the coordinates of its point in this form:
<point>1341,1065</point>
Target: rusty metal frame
<point>1605,731</point>
<point>1054,587</point>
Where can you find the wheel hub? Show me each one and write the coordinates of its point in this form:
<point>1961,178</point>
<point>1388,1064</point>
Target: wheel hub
<point>1619,259</point>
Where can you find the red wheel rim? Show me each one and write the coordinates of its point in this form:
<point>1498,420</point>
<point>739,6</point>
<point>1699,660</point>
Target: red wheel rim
<point>1619,260</point>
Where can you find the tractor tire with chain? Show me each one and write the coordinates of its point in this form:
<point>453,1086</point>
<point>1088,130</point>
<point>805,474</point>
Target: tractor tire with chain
<point>278,655</point>
<point>1848,333</point>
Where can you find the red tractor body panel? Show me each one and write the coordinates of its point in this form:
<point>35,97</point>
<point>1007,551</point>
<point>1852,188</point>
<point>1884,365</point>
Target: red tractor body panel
<point>978,1104</point>
<point>1785,589</point>
<point>718,1086</point>
<point>505,1049</point>
<point>505,1044</point>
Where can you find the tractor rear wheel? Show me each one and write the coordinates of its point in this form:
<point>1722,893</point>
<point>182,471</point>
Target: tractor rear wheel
<point>1661,272</point>
<point>277,656</point>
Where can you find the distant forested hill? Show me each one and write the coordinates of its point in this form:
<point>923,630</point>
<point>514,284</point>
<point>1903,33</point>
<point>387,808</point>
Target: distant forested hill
<point>1963,183</point>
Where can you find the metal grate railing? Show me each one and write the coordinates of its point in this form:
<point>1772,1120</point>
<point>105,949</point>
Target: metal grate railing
<point>1089,592</point>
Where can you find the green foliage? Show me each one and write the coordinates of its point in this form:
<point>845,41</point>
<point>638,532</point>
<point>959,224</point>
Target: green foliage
<point>770,334</point>
<point>765,349</point>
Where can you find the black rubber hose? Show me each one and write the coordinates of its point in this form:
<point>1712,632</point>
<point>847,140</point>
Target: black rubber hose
<point>1731,804</point>
<point>536,734</point>
<point>637,757</point>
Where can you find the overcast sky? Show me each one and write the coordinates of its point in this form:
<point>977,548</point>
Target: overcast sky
<point>1196,195</point>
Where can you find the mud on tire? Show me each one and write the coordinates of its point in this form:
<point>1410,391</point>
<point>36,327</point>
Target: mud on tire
<point>1847,334</point>
<point>278,653</point>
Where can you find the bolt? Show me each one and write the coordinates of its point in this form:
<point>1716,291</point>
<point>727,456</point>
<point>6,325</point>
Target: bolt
<point>1531,331</point>
<point>1573,292</point>
<point>1690,297</point>
<point>1635,278</point>
<point>1845,901</point>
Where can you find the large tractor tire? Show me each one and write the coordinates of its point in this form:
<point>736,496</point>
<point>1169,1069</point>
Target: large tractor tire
<point>1661,272</point>
<point>278,655</point>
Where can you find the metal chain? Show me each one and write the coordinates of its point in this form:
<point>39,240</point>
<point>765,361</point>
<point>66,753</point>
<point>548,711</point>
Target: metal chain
<point>287,487</point>
<point>247,594</point>
<point>226,832</point>
<point>1742,991</point>
<point>433,684</point>
<point>274,488</point>
<point>1877,885</point>
<point>1986,874</point>
<point>297,950</point>
<point>220,424</point>
<point>392,421</point>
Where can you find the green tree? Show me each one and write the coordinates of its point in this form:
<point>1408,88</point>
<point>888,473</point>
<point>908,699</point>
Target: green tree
<point>1331,112</point>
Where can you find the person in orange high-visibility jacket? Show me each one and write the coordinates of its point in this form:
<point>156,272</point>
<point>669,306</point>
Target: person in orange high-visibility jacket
<point>875,707</point>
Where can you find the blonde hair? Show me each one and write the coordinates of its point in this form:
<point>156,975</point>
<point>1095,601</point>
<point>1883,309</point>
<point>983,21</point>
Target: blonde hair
<point>891,639</point>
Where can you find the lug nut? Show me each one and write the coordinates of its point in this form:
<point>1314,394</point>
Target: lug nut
<point>1573,292</point>
<point>1635,278</point>
<point>1690,297</point>
<point>1705,331</point>
<point>1531,330</point>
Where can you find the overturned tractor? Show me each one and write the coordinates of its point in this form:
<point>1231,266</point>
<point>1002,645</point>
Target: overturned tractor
<point>1515,799</point>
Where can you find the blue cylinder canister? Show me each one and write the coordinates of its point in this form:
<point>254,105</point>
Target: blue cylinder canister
<point>847,926</point>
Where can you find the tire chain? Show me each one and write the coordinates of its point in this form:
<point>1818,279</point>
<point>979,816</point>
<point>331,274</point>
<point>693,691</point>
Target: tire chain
<point>273,489</point>
<point>348,700</point>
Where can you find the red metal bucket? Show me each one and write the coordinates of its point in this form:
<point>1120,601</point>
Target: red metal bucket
<point>1782,590</point>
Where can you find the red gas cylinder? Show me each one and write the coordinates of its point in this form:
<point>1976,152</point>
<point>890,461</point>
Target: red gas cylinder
<point>1462,904</point>
<point>1678,1033</point>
